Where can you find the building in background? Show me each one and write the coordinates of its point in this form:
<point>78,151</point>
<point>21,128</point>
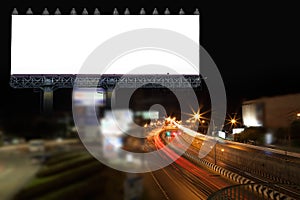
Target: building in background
<point>271,112</point>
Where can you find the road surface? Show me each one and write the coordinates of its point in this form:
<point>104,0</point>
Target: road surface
<point>16,169</point>
<point>183,179</point>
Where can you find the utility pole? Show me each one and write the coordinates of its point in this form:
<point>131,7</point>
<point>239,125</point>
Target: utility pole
<point>215,153</point>
<point>215,146</point>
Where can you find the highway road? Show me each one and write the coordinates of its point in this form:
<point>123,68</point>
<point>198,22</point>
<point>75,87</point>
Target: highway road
<point>48,144</point>
<point>15,170</point>
<point>254,164</point>
<point>198,182</point>
<point>183,179</point>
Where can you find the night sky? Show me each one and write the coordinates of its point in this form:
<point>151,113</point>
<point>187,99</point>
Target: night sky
<point>255,46</point>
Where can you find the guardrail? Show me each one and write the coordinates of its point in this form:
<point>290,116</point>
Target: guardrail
<point>246,191</point>
<point>202,136</point>
<point>277,151</point>
<point>246,188</point>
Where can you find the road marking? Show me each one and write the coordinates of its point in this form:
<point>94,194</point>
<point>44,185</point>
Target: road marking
<point>160,187</point>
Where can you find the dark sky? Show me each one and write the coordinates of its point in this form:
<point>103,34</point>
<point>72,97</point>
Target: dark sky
<point>255,46</point>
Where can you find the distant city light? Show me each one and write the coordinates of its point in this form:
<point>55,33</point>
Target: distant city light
<point>269,138</point>
<point>168,119</point>
<point>298,114</point>
<point>88,97</point>
<point>168,133</point>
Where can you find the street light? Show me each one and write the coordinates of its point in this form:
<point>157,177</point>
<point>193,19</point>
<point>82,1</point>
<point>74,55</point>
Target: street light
<point>197,116</point>
<point>233,121</point>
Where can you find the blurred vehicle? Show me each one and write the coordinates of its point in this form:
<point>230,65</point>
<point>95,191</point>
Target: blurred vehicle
<point>6,142</point>
<point>59,139</point>
<point>36,145</point>
<point>40,158</point>
<point>15,141</point>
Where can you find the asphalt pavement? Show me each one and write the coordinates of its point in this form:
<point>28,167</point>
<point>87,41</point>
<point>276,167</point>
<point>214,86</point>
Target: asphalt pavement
<point>16,169</point>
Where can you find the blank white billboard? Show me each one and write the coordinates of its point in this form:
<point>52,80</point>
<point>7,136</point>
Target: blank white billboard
<point>222,134</point>
<point>59,44</point>
<point>237,130</point>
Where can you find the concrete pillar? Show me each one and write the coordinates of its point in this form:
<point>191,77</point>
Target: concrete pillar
<point>47,100</point>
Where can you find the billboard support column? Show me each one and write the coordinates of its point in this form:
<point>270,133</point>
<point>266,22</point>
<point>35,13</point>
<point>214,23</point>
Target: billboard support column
<point>108,96</point>
<point>47,99</point>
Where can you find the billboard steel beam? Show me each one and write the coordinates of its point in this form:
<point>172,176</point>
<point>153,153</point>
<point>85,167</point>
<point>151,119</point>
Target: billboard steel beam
<point>105,81</point>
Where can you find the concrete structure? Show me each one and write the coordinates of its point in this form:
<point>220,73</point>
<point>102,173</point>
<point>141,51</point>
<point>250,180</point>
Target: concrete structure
<point>272,112</point>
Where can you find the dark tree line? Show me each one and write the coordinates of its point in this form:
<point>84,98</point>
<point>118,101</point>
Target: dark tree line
<point>256,135</point>
<point>251,135</point>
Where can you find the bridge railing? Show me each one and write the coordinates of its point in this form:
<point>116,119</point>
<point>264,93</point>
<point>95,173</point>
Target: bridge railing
<point>250,191</point>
